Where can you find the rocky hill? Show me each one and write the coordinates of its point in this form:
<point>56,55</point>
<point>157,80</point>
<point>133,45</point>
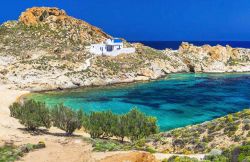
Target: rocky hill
<point>45,49</point>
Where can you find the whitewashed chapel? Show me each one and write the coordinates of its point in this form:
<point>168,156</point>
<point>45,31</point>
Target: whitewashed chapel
<point>111,47</point>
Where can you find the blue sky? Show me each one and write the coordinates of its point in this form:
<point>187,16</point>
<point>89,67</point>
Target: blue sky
<point>153,19</point>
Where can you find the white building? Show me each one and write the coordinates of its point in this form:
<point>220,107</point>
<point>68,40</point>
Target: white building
<point>112,47</point>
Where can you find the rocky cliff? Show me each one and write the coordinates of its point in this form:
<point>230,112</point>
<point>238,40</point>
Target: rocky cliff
<point>45,49</point>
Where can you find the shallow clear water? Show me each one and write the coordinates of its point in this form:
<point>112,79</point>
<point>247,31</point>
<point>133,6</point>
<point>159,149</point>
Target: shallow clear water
<point>177,101</point>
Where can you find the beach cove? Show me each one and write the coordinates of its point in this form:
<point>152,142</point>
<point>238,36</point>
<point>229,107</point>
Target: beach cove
<point>177,100</point>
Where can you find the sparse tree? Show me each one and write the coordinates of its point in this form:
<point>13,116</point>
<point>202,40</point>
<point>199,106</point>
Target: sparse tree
<point>122,130</point>
<point>140,125</point>
<point>66,119</point>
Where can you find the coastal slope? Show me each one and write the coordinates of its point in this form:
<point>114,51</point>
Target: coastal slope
<point>46,49</point>
<point>221,133</point>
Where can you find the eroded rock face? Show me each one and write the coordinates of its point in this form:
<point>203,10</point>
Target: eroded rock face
<point>34,16</point>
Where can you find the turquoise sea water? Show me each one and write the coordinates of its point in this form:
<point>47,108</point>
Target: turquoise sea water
<point>177,101</point>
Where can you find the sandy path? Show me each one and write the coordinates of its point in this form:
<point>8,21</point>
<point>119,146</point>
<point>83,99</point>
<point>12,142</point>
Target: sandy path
<point>8,125</point>
<point>74,151</point>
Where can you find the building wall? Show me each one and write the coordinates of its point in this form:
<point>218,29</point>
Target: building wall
<point>97,49</point>
<point>121,51</point>
<point>101,49</point>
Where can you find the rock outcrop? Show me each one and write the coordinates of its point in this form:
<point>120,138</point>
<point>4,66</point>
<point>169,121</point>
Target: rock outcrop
<point>215,59</point>
<point>45,50</point>
<point>131,157</point>
<point>57,19</point>
<point>34,16</point>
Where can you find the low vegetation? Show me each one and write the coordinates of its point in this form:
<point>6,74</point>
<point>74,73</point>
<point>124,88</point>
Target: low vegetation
<point>181,159</point>
<point>232,154</point>
<point>220,133</point>
<point>10,153</point>
<point>103,145</point>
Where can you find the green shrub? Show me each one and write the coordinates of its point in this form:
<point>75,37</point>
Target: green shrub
<point>109,124</point>
<point>135,125</point>
<point>122,130</point>
<point>208,138</point>
<point>239,154</point>
<point>66,119</point>
<point>237,138</point>
<point>139,125</point>
<point>99,125</point>
<point>231,129</point>
<point>150,150</point>
<point>40,145</point>
<point>164,160</point>
<point>110,145</point>
<point>139,143</point>
<point>15,109</point>
<point>9,154</point>
<point>248,134</point>
<point>31,114</point>
<point>182,159</point>
<point>176,133</point>
<point>246,159</point>
<point>244,152</point>
<point>12,153</point>
<point>216,158</point>
<point>230,118</point>
<point>246,127</point>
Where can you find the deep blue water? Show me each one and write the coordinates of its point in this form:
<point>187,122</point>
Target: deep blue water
<point>177,101</point>
<point>175,44</point>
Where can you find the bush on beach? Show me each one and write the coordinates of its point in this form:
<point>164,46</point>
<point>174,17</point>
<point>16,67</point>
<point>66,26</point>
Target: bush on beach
<point>134,125</point>
<point>139,125</point>
<point>101,124</point>
<point>31,114</point>
<point>66,119</point>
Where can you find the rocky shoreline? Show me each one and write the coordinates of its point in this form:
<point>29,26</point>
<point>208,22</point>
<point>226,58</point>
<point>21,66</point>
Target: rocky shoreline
<point>49,82</point>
